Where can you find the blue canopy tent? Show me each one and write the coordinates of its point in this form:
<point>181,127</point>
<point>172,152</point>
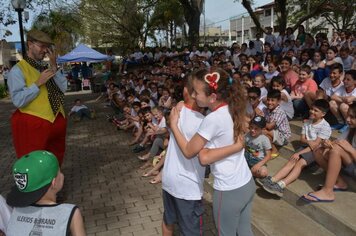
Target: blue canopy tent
<point>82,53</point>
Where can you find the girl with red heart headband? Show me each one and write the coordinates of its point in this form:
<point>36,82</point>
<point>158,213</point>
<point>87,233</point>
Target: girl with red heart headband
<point>222,130</point>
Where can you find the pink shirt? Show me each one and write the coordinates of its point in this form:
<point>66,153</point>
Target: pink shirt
<point>290,78</point>
<point>307,85</point>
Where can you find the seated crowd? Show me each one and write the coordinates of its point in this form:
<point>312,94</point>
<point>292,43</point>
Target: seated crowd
<point>312,81</point>
<point>308,79</point>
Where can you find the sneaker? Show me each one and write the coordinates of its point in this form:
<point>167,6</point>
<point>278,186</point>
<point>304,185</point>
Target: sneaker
<point>138,148</point>
<point>263,181</point>
<point>273,188</point>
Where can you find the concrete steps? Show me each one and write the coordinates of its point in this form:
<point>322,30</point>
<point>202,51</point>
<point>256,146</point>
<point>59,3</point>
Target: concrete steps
<point>291,215</point>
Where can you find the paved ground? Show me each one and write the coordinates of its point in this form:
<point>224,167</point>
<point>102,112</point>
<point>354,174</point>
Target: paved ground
<point>102,176</point>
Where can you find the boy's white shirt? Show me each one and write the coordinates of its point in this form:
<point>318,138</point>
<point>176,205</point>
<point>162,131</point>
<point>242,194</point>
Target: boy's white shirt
<point>5,213</point>
<point>181,177</point>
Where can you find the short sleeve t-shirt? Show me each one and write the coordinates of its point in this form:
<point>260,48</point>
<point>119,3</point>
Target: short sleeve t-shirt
<point>181,177</point>
<point>257,146</point>
<point>307,85</point>
<point>342,92</point>
<point>287,106</point>
<point>328,88</point>
<point>231,172</point>
<point>320,130</point>
<point>78,108</point>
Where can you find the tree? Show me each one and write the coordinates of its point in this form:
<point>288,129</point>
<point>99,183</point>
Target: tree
<point>63,25</point>
<point>342,15</point>
<point>8,15</point>
<point>119,23</point>
<point>286,8</point>
<point>168,16</point>
<point>192,12</point>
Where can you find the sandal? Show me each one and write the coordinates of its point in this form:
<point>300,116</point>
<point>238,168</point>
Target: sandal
<point>142,158</point>
<point>155,181</point>
<point>274,155</point>
<point>150,173</point>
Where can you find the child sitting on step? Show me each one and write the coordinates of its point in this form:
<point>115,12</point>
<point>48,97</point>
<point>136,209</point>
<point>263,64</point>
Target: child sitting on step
<point>314,131</point>
<point>335,156</point>
<point>257,147</point>
<point>277,127</point>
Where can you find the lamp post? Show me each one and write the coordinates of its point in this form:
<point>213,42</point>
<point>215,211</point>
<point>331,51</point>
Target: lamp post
<point>19,6</point>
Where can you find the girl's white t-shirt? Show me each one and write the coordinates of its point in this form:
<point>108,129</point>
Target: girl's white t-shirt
<point>287,107</point>
<point>181,177</point>
<point>232,172</point>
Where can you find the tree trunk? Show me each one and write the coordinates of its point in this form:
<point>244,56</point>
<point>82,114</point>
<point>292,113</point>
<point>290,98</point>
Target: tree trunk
<point>192,11</point>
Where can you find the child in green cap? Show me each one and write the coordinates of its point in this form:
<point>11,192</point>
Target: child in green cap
<point>38,179</point>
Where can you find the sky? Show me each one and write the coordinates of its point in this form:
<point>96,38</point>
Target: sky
<point>217,12</point>
<point>221,10</point>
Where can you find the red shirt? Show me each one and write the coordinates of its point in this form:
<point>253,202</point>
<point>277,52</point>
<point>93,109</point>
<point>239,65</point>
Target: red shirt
<point>290,77</point>
<point>307,85</point>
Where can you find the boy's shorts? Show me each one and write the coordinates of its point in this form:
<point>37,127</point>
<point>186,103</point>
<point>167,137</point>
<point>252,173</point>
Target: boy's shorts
<point>251,160</point>
<point>278,138</point>
<point>350,170</point>
<point>187,213</point>
<point>308,157</point>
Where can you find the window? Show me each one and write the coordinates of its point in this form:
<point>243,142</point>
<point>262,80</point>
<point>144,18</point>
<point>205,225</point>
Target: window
<point>267,12</point>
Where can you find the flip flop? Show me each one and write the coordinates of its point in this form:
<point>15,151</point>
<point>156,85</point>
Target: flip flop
<point>149,173</point>
<point>315,197</point>
<point>274,155</point>
<point>142,158</point>
<point>335,188</point>
<point>155,181</point>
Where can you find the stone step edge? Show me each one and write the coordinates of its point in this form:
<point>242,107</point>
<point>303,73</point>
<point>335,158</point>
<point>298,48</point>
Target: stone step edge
<point>261,229</point>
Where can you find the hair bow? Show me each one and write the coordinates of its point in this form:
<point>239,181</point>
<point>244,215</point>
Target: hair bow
<point>212,79</point>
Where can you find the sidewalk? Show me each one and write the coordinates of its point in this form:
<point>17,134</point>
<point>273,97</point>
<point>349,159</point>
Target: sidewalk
<point>102,176</point>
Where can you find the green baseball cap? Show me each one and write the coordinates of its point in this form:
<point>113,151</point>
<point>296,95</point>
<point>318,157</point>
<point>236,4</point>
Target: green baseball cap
<point>33,174</point>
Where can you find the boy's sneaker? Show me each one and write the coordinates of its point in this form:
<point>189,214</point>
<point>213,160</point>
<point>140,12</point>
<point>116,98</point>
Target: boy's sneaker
<point>273,188</point>
<point>263,181</point>
<point>138,148</point>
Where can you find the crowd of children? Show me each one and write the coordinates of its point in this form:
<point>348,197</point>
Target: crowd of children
<point>235,116</point>
<point>312,82</point>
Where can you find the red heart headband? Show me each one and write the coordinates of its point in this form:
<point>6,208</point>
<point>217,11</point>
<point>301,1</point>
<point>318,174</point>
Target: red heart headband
<point>212,79</point>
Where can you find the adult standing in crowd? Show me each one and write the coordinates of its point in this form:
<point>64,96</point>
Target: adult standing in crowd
<point>39,123</point>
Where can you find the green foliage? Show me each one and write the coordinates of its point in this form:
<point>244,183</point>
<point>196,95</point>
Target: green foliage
<point>8,16</point>
<point>63,25</point>
<point>167,16</point>
<point>3,92</point>
<point>119,23</point>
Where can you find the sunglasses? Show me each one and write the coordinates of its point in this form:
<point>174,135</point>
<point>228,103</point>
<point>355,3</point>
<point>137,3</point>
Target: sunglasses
<point>252,97</point>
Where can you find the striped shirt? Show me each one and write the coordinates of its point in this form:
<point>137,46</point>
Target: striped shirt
<point>280,118</point>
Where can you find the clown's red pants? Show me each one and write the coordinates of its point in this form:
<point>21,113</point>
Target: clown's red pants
<point>31,133</point>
